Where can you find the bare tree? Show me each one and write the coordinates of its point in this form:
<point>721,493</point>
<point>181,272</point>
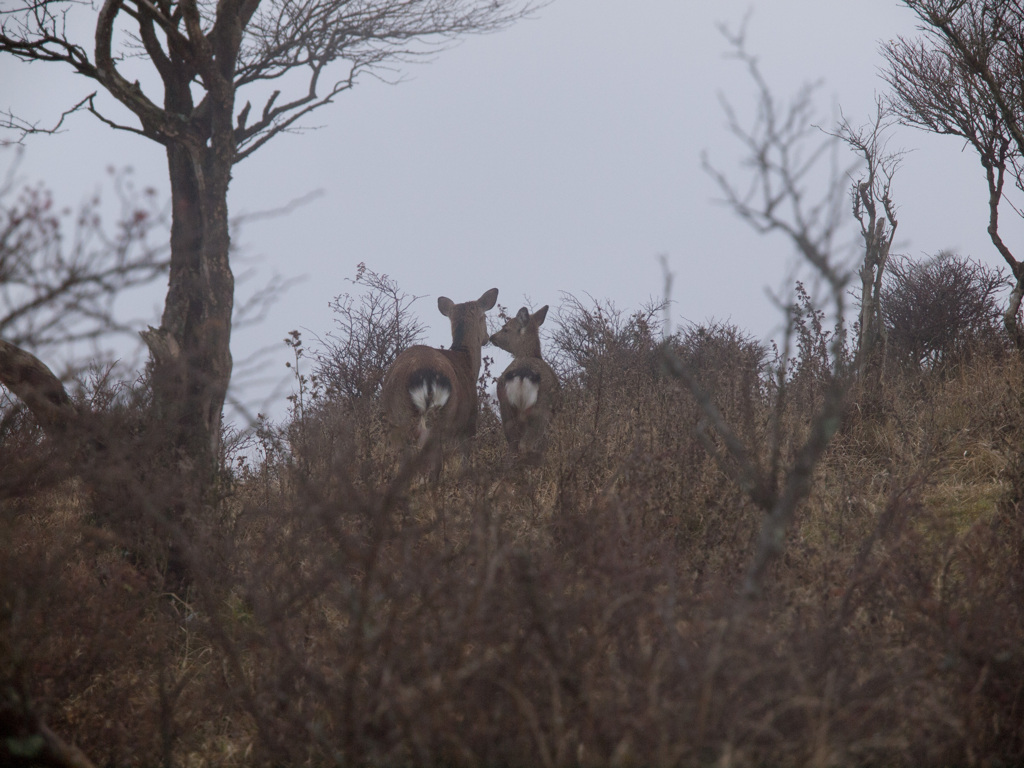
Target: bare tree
<point>63,270</point>
<point>210,63</point>
<point>796,186</point>
<point>962,78</point>
<point>787,153</point>
<point>792,160</point>
<point>875,212</point>
<point>787,157</point>
<point>369,334</point>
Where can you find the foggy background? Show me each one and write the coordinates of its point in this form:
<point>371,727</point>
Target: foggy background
<point>560,155</point>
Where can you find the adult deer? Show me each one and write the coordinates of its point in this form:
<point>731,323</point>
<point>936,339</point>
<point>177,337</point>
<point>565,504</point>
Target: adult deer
<point>528,390</point>
<point>429,395</point>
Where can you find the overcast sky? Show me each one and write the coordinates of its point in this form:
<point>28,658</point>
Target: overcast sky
<point>560,155</point>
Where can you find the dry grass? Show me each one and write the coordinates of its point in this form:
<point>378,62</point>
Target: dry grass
<point>585,612</point>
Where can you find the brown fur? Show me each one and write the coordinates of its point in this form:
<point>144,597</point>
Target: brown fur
<point>460,366</point>
<point>526,428</point>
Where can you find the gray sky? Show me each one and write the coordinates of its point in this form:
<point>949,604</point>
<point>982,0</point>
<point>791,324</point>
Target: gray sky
<point>561,155</point>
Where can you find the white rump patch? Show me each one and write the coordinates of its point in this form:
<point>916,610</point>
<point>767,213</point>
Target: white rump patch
<point>427,394</point>
<point>521,392</point>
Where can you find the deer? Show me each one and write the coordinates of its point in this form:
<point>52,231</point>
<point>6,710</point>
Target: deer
<point>429,395</point>
<point>528,391</point>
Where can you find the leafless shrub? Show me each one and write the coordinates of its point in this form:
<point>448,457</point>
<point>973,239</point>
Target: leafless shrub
<point>592,341</point>
<point>335,411</point>
<point>941,310</point>
<point>370,332</point>
<point>729,364</point>
<point>787,158</point>
<point>577,613</point>
<point>612,383</point>
<point>719,351</point>
<point>817,351</point>
<point>62,272</point>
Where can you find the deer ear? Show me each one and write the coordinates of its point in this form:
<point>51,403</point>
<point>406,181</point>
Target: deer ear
<point>523,316</point>
<point>446,306</point>
<point>488,299</point>
<point>540,314</point>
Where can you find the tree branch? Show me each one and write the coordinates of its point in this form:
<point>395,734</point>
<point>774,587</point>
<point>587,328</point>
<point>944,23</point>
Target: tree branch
<point>38,388</point>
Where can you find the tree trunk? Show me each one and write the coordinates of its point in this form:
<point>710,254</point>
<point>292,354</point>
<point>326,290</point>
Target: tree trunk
<point>38,388</point>
<point>1013,308</point>
<point>877,240</point>
<point>868,317</point>
<point>191,351</point>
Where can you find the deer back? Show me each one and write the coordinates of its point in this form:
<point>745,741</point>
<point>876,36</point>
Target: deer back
<point>528,390</point>
<point>427,385</point>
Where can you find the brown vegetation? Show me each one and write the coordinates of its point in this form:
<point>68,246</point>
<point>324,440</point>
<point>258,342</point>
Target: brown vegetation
<point>584,612</point>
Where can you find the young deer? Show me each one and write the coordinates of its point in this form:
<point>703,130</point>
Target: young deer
<point>432,392</point>
<point>528,390</point>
